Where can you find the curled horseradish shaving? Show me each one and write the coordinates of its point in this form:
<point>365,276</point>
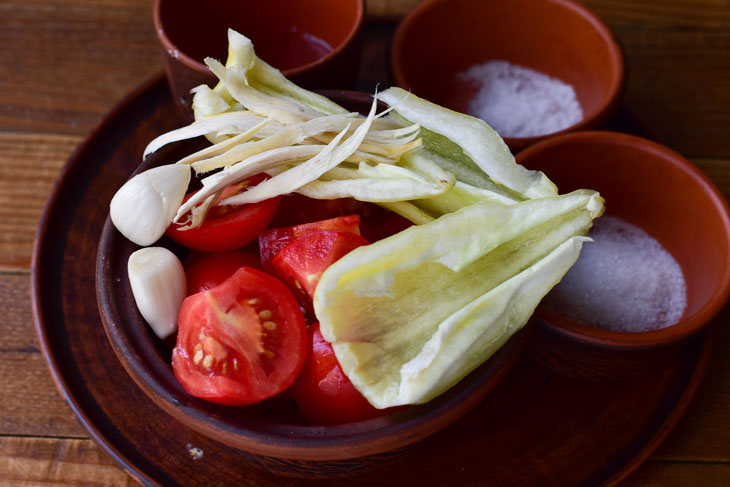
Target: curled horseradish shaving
<point>412,314</point>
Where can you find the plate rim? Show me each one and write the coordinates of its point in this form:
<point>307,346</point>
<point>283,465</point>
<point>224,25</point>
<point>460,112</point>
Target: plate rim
<point>143,477</point>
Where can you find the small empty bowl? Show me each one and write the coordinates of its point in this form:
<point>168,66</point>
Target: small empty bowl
<point>662,193</point>
<point>273,435</point>
<point>440,40</point>
<point>315,44</point>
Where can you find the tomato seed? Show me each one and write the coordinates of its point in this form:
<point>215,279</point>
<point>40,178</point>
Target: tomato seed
<point>253,301</point>
<point>208,361</point>
<point>270,325</point>
<point>198,356</point>
<point>265,314</point>
<point>269,354</point>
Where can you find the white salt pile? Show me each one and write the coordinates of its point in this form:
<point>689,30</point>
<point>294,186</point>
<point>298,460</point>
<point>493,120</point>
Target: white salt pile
<point>521,102</point>
<point>624,281</point>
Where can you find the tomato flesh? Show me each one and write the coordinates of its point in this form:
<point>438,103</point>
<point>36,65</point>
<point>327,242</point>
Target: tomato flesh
<point>206,271</point>
<point>275,239</point>
<point>323,392</point>
<point>301,263</point>
<point>227,227</point>
<point>240,342</point>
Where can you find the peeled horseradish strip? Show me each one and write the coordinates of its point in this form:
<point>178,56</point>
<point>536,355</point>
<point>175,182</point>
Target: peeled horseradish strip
<point>412,314</point>
<point>468,144</point>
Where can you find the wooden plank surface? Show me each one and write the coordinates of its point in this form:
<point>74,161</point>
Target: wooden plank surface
<point>66,62</point>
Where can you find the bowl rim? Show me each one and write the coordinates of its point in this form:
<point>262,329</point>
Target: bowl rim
<point>383,435</point>
<point>689,325</point>
<point>616,60</point>
<point>202,69</point>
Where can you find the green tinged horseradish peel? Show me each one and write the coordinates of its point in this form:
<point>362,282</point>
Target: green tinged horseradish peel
<point>409,315</point>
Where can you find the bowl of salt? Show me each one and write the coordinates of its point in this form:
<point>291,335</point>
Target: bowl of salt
<point>658,269</point>
<point>529,68</point>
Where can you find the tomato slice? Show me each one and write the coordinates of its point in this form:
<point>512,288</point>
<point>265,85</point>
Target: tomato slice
<point>206,271</point>
<point>323,392</point>
<point>227,227</point>
<point>301,263</point>
<point>272,241</point>
<point>240,342</point>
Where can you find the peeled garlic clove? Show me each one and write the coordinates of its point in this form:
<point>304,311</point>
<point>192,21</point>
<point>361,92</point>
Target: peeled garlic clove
<point>158,285</point>
<point>144,207</point>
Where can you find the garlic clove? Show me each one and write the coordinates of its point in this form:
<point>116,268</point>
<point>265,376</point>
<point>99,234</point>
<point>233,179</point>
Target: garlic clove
<point>158,286</point>
<point>144,206</point>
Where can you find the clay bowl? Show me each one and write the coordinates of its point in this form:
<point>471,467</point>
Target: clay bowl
<point>314,44</point>
<point>440,39</point>
<point>661,192</point>
<point>272,435</point>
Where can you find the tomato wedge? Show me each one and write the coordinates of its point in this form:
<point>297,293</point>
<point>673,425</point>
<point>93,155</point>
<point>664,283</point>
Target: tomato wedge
<point>301,263</point>
<point>240,342</point>
<point>206,271</point>
<point>272,241</point>
<point>227,227</point>
<point>323,392</point>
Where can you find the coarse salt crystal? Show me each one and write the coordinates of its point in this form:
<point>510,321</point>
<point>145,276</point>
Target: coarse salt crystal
<point>623,281</point>
<point>521,102</point>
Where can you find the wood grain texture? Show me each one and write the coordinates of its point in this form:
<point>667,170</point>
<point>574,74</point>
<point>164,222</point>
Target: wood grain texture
<point>29,402</point>
<point>677,56</point>
<point>390,8</point>
<point>43,462</point>
<point>72,60</point>
<point>29,164</point>
<point>680,474</point>
<point>66,62</point>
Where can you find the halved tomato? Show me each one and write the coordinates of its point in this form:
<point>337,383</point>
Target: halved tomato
<point>301,263</point>
<point>206,271</point>
<point>227,227</point>
<point>323,392</point>
<point>240,342</point>
<point>275,239</point>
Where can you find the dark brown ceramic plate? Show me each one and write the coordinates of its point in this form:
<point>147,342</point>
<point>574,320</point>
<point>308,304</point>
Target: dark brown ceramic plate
<point>536,428</point>
<point>273,430</point>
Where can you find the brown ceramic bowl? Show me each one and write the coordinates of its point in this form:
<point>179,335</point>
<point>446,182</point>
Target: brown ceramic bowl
<point>661,192</point>
<point>561,38</point>
<point>272,434</point>
<point>315,44</point>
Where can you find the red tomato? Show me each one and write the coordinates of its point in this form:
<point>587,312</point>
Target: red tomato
<point>272,241</point>
<point>301,263</point>
<point>227,227</point>
<point>380,223</point>
<point>296,209</point>
<point>240,342</point>
<point>206,271</point>
<point>323,392</point>
<point>376,222</point>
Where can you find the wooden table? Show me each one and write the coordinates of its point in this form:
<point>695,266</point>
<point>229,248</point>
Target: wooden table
<point>66,62</point>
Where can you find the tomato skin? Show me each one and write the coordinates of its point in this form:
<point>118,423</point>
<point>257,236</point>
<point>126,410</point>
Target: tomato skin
<point>323,392</point>
<point>206,271</point>
<point>249,360</point>
<point>275,239</point>
<point>381,223</point>
<point>301,263</point>
<point>297,209</point>
<point>376,223</point>
<point>227,227</point>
